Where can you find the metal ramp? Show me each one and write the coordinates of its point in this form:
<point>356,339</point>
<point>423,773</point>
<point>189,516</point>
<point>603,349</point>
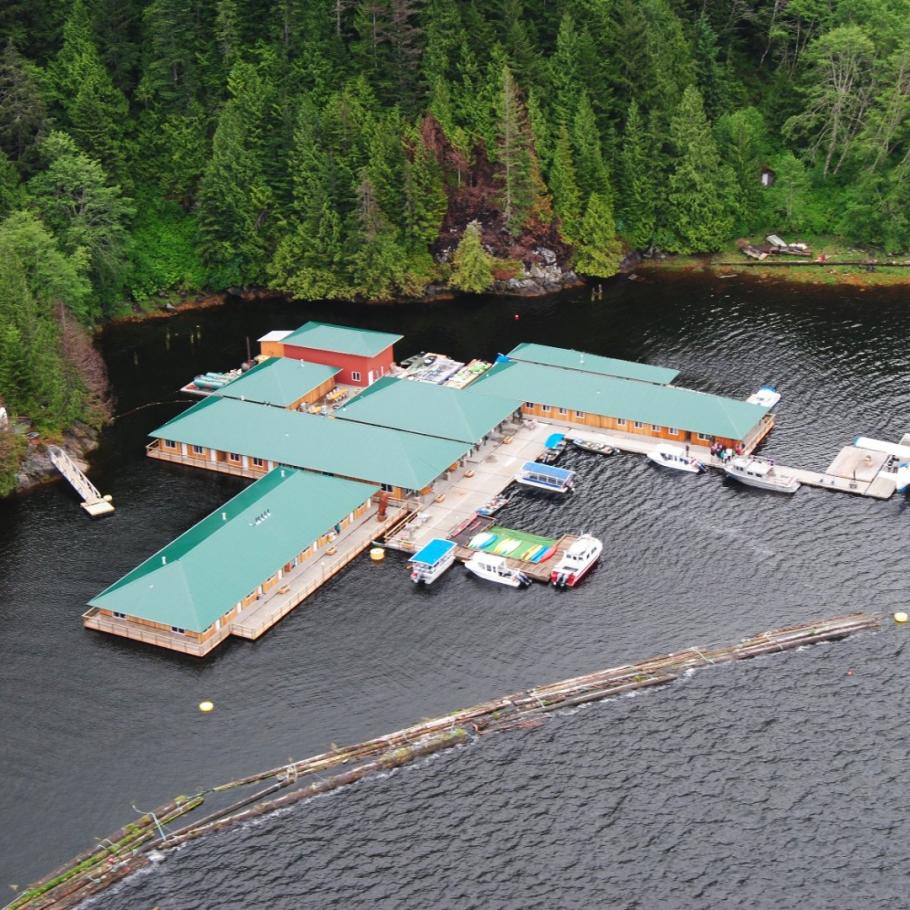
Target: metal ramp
<point>92,501</point>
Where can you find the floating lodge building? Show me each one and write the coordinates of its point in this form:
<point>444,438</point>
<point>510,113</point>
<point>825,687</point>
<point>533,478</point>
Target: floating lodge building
<point>326,422</point>
<point>193,593</point>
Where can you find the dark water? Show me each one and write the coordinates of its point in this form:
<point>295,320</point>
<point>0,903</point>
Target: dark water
<point>755,784</point>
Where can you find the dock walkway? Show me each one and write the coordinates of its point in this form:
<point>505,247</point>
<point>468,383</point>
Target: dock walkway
<point>92,501</point>
<point>853,470</point>
<point>302,581</point>
<point>487,473</point>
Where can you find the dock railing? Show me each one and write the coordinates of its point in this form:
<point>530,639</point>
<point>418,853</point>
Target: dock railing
<point>96,620</point>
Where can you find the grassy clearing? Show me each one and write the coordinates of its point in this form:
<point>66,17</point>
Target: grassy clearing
<point>730,261</point>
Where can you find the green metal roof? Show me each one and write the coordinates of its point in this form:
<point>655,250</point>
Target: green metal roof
<point>278,381</point>
<point>219,561</point>
<point>662,405</point>
<point>341,338</point>
<point>591,363</point>
<point>311,441</point>
<point>428,409</point>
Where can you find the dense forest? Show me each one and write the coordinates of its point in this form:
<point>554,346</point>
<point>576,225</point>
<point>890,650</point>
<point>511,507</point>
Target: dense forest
<point>340,148</point>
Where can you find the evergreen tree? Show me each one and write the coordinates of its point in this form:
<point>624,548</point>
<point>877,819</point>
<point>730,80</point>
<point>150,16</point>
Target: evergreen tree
<point>563,185</point>
<point>564,76</point>
<point>235,201</point>
<point>425,198</point>
<point>11,195</point>
<point>590,166</point>
<point>179,53</point>
<point>709,72</point>
<point>598,251</point>
<point>639,199</point>
<point>700,198</point>
<point>788,198</point>
<point>95,108</point>
<point>472,265</point>
<point>87,213</point>
<point>23,115</point>
<point>742,139</point>
<point>522,186</point>
<point>310,261</point>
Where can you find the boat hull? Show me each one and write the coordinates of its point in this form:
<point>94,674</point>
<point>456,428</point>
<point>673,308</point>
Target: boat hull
<point>515,580</point>
<point>788,487</point>
<point>527,482</point>
<point>569,571</point>
<point>687,467</point>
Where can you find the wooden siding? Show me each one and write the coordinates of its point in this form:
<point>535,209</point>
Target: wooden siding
<point>604,422</point>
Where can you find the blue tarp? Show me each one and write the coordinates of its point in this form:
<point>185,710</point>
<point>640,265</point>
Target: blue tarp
<point>433,552</point>
<point>546,470</point>
<point>554,439</point>
<point>501,358</point>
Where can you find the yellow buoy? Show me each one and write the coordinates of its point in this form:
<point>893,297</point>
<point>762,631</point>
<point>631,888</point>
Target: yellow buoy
<point>206,706</point>
<point>900,616</point>
<point>377,554</point>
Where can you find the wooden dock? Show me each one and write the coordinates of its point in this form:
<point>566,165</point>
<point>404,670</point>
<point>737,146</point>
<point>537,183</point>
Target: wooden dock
<point>853,470</point>
<point>539,571</point>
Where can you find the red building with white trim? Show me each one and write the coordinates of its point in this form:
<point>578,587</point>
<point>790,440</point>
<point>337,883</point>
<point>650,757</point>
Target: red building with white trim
<point>362,355</point>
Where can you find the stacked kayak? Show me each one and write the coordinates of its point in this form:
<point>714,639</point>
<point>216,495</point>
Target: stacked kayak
<point>514,544</point>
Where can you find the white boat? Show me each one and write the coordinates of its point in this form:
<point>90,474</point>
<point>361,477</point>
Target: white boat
<point>576,561</point>
<point>668,456</point>
<point>430,562</point>
<point>545,477</point>
<point>767,396</point>
<point>494,568</point>
<point>760,472</point>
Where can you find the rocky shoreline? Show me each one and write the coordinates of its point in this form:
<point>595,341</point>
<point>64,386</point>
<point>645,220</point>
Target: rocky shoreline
<point>36,469</point>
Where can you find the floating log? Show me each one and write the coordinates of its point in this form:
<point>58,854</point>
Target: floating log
<point>130,848</point>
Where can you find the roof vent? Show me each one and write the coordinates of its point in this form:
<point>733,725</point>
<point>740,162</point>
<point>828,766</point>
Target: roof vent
<point>224,516</point>
<point>164,560</point>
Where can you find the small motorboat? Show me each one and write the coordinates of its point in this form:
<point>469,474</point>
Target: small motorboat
<point>767,396</point>
<point>760,472</point>
<point>494,505</point>
<point>430,562</point>
<point>668,456</point>
<point>494,568</point>
<point>591,445</point>
<point>545,477</point>
<point>576,561</point>
<point>555,445</point>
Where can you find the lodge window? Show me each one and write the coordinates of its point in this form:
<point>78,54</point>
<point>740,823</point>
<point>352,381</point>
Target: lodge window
<point>386,487</point>
<point>545,408</point>
<point>233,456</point>
<point>119,615</point>
<point>638,424</point>
<point>579,413</point>
<point>529,404</point>
<point>178,630</point>
<point>257,462</point>
<point>170,444</point>
<point>655,427</point>
<point>563,410</point>
<point>355,375</point>
<point>673,431</point>
<point>620,421</point>
<point>197,450</point>
<point>706,437</point>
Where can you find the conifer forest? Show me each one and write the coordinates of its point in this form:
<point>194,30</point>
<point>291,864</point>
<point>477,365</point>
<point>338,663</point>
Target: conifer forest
<point>337,149</point>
